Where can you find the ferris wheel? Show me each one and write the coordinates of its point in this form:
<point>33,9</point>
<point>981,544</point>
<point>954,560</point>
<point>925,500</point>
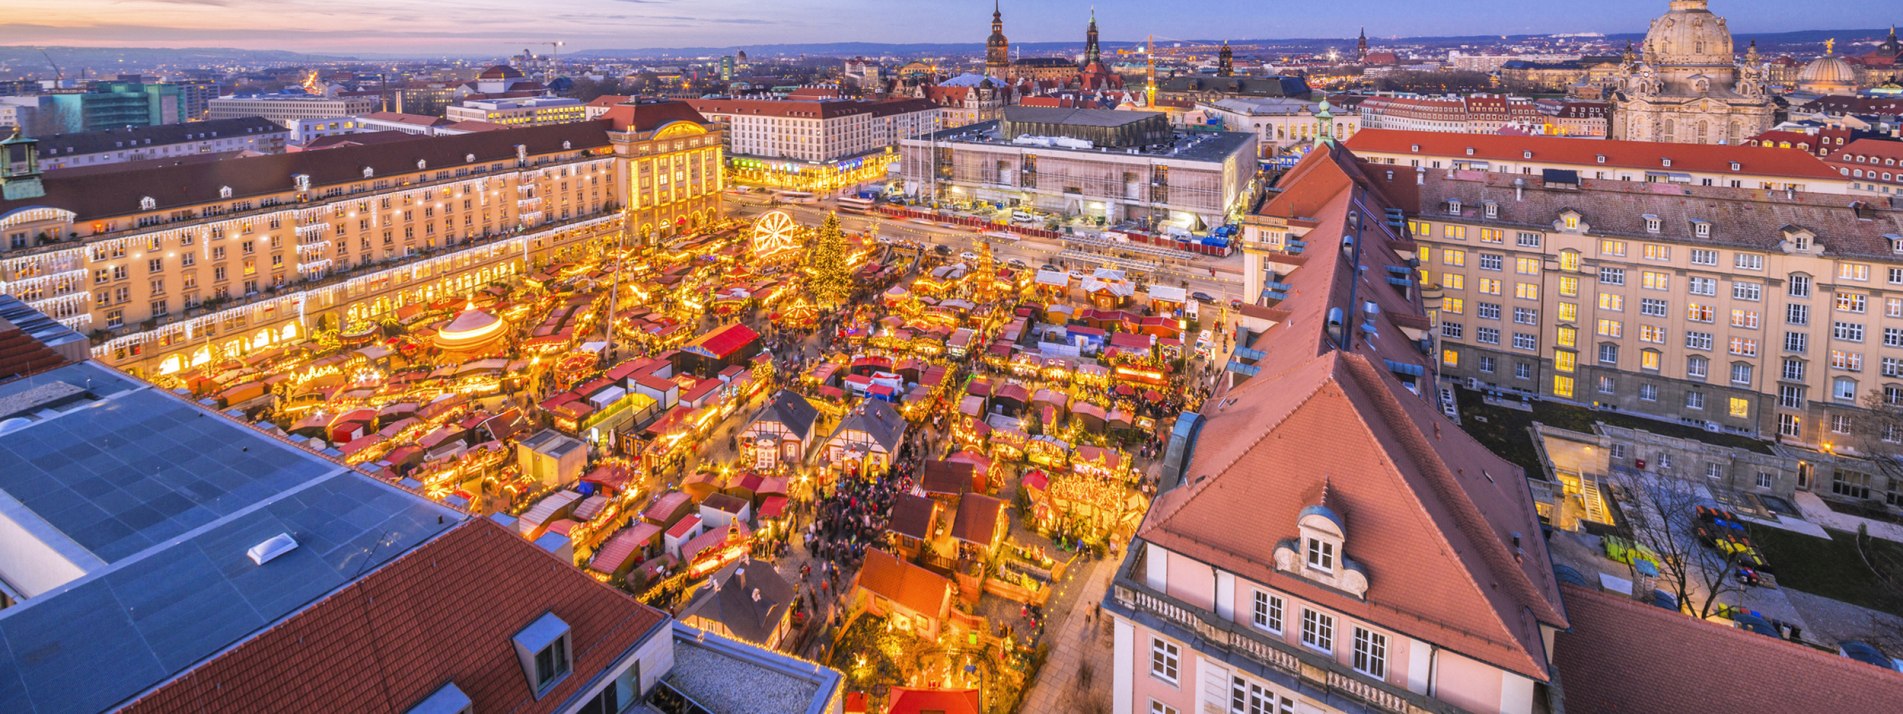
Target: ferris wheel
<point>775,232</point>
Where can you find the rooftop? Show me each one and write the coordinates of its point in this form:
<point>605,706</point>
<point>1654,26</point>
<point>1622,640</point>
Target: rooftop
<point>733,678</point>
<point>1639,155</point>
<point>1199,147</point>
<point>139,510</point>
<point>54,146</point>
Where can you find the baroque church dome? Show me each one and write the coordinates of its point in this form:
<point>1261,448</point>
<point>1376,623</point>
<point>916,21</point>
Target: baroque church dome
<point>1826,74</point>
<point>1688,35</point>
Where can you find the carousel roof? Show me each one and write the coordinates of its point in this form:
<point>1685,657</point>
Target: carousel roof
<point>471,328</point>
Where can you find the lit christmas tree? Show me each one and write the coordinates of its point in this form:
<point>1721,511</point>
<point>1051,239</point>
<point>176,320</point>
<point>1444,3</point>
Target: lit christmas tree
<point>828,274</point>
<point>987,271</point>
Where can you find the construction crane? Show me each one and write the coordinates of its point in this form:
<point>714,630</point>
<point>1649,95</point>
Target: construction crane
<point>554,57</point>
<point>59,76</point>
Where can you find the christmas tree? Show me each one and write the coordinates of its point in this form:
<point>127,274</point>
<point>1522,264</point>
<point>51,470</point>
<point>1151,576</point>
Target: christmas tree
<point>828,275</point>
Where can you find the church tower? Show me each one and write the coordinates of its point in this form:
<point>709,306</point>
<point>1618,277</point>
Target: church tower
<point>1091,51</point>
<point>997,49</point>
<point>1225,61</point>
<point>1361,46</point>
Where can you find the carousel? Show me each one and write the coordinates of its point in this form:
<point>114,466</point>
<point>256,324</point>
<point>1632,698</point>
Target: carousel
<point>471,332</point>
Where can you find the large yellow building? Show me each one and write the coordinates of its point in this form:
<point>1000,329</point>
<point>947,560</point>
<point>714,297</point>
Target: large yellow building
<point>171,265</point>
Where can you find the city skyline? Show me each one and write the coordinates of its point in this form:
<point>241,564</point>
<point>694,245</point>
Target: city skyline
<point>492,26</point>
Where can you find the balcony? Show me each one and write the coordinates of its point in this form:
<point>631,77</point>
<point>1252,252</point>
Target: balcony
<point>1310,673</point>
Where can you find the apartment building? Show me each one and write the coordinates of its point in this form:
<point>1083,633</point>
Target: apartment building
<point>1398,569</point>
<point>179,264</point>
<point>249,135</point>
<point>1279,123</point>
<point>1873,166</point>
<point>815,144</point>
<point>1115,165</point>
<point>1753,167</point>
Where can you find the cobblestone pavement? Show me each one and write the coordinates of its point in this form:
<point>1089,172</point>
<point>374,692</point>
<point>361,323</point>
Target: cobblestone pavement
<point>1078,634</point>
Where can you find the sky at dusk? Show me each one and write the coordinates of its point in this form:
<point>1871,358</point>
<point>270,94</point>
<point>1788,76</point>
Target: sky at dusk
<point>495,27</point>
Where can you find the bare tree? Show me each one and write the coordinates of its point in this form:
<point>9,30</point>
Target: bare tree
<point>1662,515</point>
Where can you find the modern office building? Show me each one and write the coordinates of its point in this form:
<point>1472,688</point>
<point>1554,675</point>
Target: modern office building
<point>518,111</point>
<point>1116,165</point>
<point>251,136</point>
<point>290,105</point>
<point>116,104</point>
<point>176,264</point>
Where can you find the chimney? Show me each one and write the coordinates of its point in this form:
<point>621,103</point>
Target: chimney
<point>1519,190</point>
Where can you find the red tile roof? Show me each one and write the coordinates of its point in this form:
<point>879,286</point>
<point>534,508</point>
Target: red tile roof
<point>906,700</point>
<point>1710,158</point>
<point>445,612</point>
<point>651,116</point>
<point>1627,656</point>
<point>912,586</point>
<point>814,109</point>
<point>1428,511</point>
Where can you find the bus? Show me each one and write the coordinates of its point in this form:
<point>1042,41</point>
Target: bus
<point>855,204</point>
<point>795,196</point>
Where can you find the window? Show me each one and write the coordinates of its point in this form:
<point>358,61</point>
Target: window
<point>1486,365</point>
<point>1702,286</point>
<point>1268,612</point>
<point>1164,658</point>
<point>1318,630</point>
<point>1696,366</point>
<point>1526,266</point>
<point>1840,423</point>
<point>1247,697</point>
<point>1747,319</point>
<point>1564,361</point>
<point>1611,328</point>
<point>1612,276</point>
<point>1649,392</point>
<point>1566,336</point>
<point>1453,281</point>
<point>1487,335</point>
<point>1526,316</point>
<point>1606,385</point>
<point>1694,400</point>
<point>1853,271</point>
<point>1527,240</point>
<point>1371,653</point>
<point>1747,291</point>
<point>1453,258</point>
<point>1654,251</point>
<point>1699,312</point>
<point>1157,707</point>
<point>1612,301</point>
<point>1790,396</point>
<point>1652,307</point>
<point>1744,346</point>
<point>1522,370</point>
<point>1608,353</point>
<point>1488,311</point>
<point>1893,337</point>
<point>1451,330</point>
<point>1562,386</point>
<point>1491,261</point>
<point>1652,333</point>
<point>1741,373</point>
<point>1526,291</point>
<point>1799,285</point>
<point>1612,247</point>
<point>1843,389</point>
<point>1787,425</point>
<point>1489,286</point>
<point>1739,408</point>
<point>1846,331</point>
<point>1852,302</point>
<point>1797,314</point>
<point>1793,370</point>
<point>1568,312</point>
<point>1651,280</point>
<point>1452,305</point>
<point>1704,256</point>
<point>1321,554</point>
<point>1748,261</point>
<point>1525,341</point>
<point>1569,286</point>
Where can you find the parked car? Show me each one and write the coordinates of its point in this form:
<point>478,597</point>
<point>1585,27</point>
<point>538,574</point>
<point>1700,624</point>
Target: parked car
<point>1022,217</point>
<point>942,249</point>
<point>1078,275</point>
<point>969,256</point>
<point>1018,263</point>
<point>1203,297</point>
<point>1048,266</point>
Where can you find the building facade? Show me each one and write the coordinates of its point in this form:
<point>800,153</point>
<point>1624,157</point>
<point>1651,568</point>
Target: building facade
<point>1279,124</point>
<point>168,268</point>
<point>1687,86</point>
<point>282,108</point>
<point>1486,114</point>
<point>519,111</point>
<point>1057,163</point>
<point>815,145</point>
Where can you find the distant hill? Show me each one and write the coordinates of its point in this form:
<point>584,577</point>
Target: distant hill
<point>101,60</point>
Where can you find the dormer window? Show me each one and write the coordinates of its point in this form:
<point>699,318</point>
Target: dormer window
<point>1416,148</point>
<point>1321,555</point>
<point>1651,223</point>
<point>1800,242</point>
<point>1493,210</point>
<point>1602,158</point>
<point>1453,206</point>
<point>1667,163</point>
<point>1470,151</point>
<point>1702,229</point>
<point>544,650</point>
<point>1526,154</point>
<point>1735,166</point>
<point>224,192</point>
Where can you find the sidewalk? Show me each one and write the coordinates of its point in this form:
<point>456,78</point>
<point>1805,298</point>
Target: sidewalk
<point>1077,639</point>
